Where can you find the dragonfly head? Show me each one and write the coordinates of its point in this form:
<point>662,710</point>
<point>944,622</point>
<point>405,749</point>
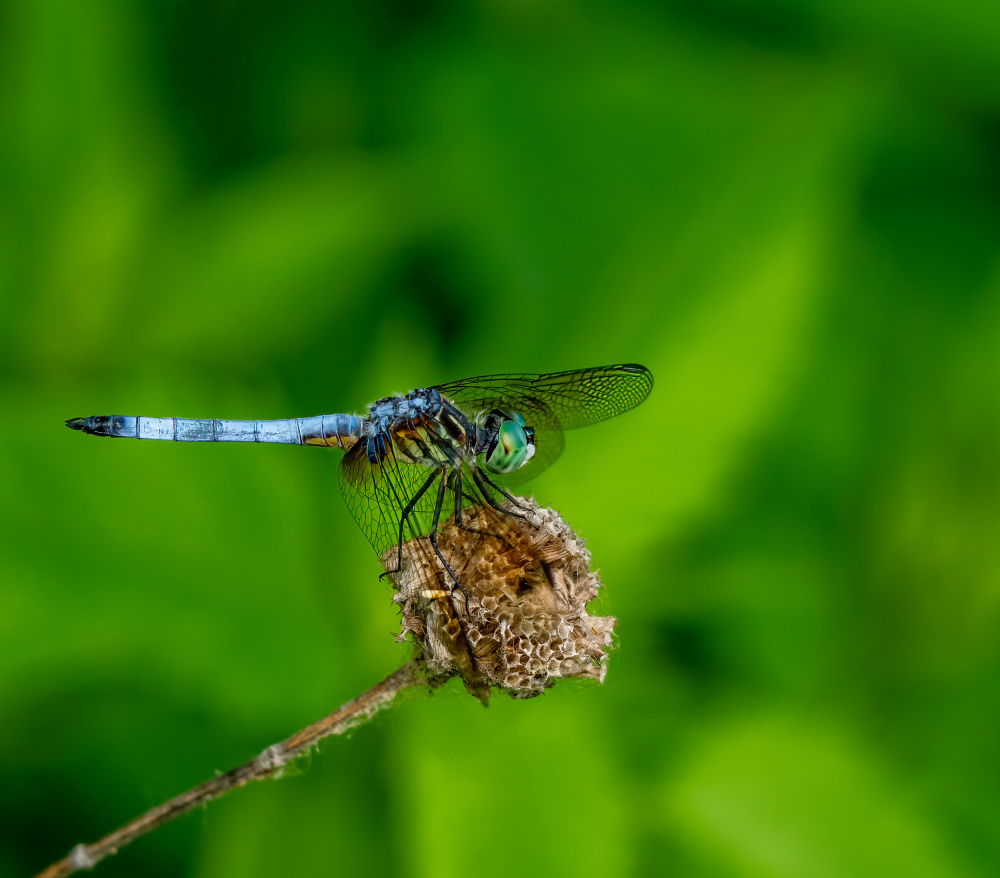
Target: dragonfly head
<point>511,444</point>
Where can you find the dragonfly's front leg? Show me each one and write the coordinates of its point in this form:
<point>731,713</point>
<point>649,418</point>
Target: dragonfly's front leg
<point>457,488</point>
<point>482,481</point>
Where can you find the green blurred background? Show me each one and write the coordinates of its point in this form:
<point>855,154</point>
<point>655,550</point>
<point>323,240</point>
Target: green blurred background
<point>789,211</point>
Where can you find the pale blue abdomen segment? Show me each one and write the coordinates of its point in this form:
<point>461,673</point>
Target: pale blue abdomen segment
<point>337,431</point>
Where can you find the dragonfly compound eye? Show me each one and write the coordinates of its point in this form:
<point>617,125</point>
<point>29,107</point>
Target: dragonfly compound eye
<point>509,450</point>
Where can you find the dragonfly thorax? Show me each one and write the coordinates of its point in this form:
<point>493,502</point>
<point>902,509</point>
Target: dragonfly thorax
<point>420,428</point>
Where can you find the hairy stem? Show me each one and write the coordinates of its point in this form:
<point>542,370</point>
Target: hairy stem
<point>268,763</point>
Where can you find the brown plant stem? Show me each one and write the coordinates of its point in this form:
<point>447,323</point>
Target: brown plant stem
<point>268,763</point>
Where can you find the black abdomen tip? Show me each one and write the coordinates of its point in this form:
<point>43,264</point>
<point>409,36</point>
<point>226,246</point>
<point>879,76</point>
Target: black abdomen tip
<point>96,425</point>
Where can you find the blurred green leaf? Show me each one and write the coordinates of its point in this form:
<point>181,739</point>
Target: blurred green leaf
<point>777,796</point>
<point>789,212</point>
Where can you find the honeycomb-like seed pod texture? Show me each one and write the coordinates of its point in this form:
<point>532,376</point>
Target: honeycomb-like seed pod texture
<point>525,621</point>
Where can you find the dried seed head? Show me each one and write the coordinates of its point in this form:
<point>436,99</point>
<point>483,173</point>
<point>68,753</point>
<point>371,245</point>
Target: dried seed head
<point>525,623</point>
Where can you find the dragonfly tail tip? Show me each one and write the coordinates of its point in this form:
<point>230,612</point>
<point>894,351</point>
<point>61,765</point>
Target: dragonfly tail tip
<point>76,423</point>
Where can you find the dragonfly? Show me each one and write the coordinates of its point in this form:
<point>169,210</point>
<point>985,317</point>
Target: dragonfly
<point>432,451</point>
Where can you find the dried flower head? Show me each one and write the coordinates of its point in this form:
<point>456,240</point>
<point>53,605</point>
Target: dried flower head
<point>525,621</point>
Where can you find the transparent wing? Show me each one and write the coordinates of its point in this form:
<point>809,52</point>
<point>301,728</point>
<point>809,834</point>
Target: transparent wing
<point>551,403</point>
<point>559,399</point>
<point>379,495</point>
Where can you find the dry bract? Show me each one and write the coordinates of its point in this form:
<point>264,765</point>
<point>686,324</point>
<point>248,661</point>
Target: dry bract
<point>526,622</point>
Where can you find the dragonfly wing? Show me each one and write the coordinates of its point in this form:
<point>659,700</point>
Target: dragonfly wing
<point>379,495</point>
<point>552,402</point>
<point>559,399</point>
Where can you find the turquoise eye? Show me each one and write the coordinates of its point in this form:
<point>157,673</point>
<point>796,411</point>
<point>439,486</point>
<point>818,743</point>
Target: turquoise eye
<point>509,450</point>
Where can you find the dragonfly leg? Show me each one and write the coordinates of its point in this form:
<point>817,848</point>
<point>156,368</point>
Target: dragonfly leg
<point>433,538</point>
<point>406,514</point>
<point>456,487</point>
<point>500,490</point>
<point>482,481</point>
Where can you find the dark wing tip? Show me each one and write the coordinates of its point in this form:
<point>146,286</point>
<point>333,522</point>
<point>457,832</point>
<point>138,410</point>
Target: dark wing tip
<point>77,423</point>
<point>636,369</point>
<point>645,379</point>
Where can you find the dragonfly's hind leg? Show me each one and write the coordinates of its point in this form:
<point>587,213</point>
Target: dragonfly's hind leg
<point>402,521</point>
<point>432,536</point>
<point>456,489</point>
